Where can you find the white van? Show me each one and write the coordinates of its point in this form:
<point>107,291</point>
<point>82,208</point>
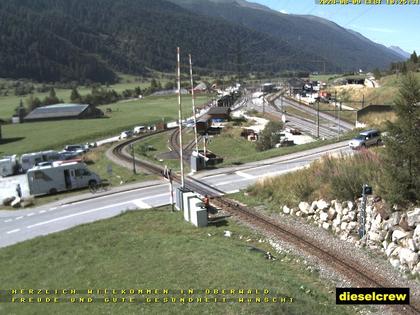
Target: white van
<point>60,176</point>
<point>29,160</point>
<point>139,129</point>
<point>8,165</point>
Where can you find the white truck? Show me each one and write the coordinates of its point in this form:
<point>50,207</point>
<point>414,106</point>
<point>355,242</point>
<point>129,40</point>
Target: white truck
<point>8,165</point>
<point>60,176</point>
<point>30,160</point>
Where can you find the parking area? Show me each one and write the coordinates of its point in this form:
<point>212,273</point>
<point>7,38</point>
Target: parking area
<point>8,186</point>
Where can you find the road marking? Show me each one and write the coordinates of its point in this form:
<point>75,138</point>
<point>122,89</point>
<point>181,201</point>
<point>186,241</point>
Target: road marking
<point>141,204</point>
<point>8,220</point>
<point>154,196</point>
<point>245,175</point>
<point>115,194</point>
<point>52,209</point>
<point>42,211</point>
<point>76,214</point>
<point>18,218</point>
<point>13,231</point>
<point>30,214</point>
<point>232,181</point>
<point>212,176</point>
<point>233,191</point>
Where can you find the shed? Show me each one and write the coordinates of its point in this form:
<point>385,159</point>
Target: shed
<point>63,111</point>
<point>219,113</point>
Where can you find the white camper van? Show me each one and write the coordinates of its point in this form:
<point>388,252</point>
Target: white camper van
<point>60,176</point>
<point>29,160</point>
<point>8,165</point>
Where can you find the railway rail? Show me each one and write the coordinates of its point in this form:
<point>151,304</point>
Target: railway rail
<point>348,268</point>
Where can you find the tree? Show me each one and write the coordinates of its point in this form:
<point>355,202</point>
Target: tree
<point>402,158</point>
<point>413,57</point>
<point>75,96</point>
<point>270,136</point>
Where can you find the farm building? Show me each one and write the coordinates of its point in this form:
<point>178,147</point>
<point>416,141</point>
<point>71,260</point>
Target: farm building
<point>63,111</point>
<point>222,113</point>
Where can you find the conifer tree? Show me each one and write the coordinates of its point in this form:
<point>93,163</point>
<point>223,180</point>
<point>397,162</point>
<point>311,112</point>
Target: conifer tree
<point>402,153</point>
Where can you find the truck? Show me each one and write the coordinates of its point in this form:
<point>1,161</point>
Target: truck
<point>60,176</point>
<point>29,160</point>
<point>8,165</point>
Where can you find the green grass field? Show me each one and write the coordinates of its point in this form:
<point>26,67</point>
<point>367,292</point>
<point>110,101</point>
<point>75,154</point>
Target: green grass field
<point>157,249</point>
<point>37,136</point>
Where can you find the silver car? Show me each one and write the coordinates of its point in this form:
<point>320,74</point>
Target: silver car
<point>366,139</point>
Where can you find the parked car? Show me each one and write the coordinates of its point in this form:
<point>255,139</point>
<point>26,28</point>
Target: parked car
<point>139,129</point>
<point>366,139</point>
<point>76,148</point>
<point>126,134</point>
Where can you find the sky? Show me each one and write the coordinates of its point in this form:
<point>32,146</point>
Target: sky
<point>390,25</point>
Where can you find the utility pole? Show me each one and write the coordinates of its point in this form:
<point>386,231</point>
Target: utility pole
<point>193,105</point>
<point>134,159</point>
<point>339,125</point>
<point>181,156</point>
<point>167,174</point>
<point>317,119</point>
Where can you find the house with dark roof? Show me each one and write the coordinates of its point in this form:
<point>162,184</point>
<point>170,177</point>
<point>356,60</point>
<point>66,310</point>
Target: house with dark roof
<point>63,111</point>
<point>219,113</point>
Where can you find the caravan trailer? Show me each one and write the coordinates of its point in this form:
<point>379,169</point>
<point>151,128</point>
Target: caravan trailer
<point>8,165</point>
<point>29,160</point>
<point>60,176</point>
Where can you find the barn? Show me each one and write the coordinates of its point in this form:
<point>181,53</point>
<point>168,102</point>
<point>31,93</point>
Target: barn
<point>63,111</point>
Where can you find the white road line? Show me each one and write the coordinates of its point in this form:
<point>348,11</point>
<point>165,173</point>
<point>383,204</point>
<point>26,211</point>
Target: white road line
<point>18,218</point>
<point>141,204</point>
<point>213,176</point>
<point>52,209</point>
<point>30,214</point>
<point>232,181</point>
<point>76,214</point>
<point>155,196</point>
<point>42,211</point>
<point>233,191</point>
<point>13,231</point>
<point>245,175</point>
<point>115,194</point>
<point>8,220</point>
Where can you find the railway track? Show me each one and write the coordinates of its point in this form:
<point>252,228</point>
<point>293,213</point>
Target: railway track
<point>349,268</point>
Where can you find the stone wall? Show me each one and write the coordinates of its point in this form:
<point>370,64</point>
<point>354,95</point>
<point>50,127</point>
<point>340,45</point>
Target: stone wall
<point>396,235</point>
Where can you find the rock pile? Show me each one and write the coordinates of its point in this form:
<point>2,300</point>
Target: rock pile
<point>397,235</point>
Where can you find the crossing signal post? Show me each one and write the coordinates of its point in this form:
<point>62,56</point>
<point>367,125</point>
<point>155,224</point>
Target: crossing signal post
<point>167,175</point>
<point>366,190</point>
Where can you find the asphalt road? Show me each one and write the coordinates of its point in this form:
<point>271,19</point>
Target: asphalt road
<point>20,225</point>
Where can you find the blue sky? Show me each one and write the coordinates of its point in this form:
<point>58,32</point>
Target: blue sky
<point>397,25</point>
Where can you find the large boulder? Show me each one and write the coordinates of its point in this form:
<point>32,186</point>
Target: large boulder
<point>375,237</point>
<point>323,216</point>
<point>304,207</point>
<point>338,206</point>
<point>408,257</point>
<point>322,204</point>
<point>398,235</point>
<point>7,201</point>
<point>413,217</point>
<point>390,249</point>
<point>286,210</point>
<point>394,218</point>
<point>351,226</point>
<point>326,225</point>
<point>350,205</point>
<point>331,214</point>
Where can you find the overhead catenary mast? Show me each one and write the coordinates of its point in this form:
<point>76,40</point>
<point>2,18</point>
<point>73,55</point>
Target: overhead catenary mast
<point>181,156</point>
<point>193,105</point>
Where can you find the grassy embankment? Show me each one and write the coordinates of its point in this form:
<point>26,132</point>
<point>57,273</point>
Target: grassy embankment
<point>156,249</point>
<point>339,178</point>
<point>37,136</point>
